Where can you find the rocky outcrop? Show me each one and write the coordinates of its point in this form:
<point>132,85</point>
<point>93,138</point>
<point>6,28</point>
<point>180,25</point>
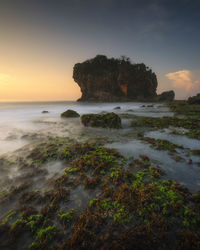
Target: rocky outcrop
<point>166,96</point>
<point>109,120</point>
<point>102,79</point>
<point>194,99</point>
<point>69,113</point>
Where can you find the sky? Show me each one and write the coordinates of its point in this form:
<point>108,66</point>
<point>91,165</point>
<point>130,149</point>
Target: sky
<point>41,40</point>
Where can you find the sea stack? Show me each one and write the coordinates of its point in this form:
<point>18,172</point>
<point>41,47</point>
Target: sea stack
<point>103,79</point>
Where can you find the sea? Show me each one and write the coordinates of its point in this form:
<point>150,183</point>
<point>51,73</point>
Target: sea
<point>23,123</point>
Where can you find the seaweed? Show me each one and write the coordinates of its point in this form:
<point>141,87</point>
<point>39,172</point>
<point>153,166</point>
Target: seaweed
<point>108,120</point>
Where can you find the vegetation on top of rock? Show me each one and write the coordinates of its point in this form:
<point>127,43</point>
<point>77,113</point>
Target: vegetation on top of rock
<point>110,79</point>
<point>70,113</point>
<point>109,120</point>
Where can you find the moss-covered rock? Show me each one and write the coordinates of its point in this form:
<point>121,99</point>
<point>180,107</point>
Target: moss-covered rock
<point>194,99</point>
<point>109,120</point>
<point>166,96</point>
<point>70,113</point>
<point>118,107</point>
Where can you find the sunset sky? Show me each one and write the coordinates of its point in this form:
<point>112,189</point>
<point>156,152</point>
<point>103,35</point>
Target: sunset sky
<point>41,40</point>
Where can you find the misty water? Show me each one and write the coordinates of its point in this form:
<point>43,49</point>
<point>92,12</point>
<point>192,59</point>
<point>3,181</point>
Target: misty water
<point>23,124</point>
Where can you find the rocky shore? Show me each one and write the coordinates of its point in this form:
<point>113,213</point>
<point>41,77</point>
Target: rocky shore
<point>80,193</point>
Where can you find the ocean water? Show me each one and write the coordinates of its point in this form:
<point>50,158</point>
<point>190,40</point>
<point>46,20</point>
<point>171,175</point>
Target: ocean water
<point>22,124</point>
<point>25,118</point>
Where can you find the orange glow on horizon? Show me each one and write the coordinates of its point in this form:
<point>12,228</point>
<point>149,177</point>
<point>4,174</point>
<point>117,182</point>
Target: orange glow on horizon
<point>37,88</point>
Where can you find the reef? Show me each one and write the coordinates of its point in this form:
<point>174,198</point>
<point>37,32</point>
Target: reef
<point>108,120</point>
<point>132,206</point>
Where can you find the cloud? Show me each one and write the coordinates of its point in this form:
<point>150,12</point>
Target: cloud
<point>185,81</point>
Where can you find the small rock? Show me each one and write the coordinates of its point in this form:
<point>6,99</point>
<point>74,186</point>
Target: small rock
<point>69,113</point>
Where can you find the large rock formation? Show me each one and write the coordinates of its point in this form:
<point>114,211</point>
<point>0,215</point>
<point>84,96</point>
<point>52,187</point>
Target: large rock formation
<point>102,79</point>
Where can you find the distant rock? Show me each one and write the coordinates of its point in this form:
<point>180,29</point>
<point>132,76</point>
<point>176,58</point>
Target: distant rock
<point>45,112</point>
<point>166,96</point>
<point>108,80</point>
<point>109,120</point>
<point>70,113</point>
<point>194,99</point>
<point>118,107</point>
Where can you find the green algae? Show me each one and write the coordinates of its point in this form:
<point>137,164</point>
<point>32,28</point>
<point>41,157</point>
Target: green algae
<point>8,217</point>
<point>160,144</point>
<point>108,120</point>
<point>134,201</point>
<point>184,108</point>
<point>165,122</point>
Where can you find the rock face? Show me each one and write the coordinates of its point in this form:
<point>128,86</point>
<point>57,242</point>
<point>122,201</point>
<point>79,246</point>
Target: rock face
<point>194,99</point>
<point>108,80</point>
<point>166,96</point>
<point>109,120</point>
<point>69,113</point>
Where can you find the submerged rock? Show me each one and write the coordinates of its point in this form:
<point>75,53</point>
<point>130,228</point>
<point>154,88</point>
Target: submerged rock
<point>118,107</point>
<point>103,79</point>
<point>45,112</point>
<point>194,99</point>
<point>70,113</point>
<point>166,96</point>
<point>109,120</point>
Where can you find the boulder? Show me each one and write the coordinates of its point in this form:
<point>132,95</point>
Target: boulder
<point>166,96</point>
<point>45,112</point>
<point>69,113</point>
<point>194,99</point>
<point>109,120</point>
<point>103,79</point>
